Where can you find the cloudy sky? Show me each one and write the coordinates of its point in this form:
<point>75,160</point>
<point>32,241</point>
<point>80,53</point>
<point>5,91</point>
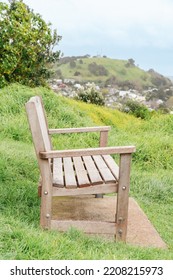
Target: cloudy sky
<point>121,29</point>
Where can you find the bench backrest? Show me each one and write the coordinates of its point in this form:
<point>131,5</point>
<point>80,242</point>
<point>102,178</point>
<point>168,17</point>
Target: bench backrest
<point>38,125</point>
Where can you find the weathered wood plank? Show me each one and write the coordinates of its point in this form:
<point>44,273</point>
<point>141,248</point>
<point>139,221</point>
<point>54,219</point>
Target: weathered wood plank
<point>38,126</point>
<point>39,186</point>
<point>79,129</point>
<point>90,227</point>
<point>103,138</point>
<point>97,189</point>
<point>58,178</point>
<point>104,170</point>
<point>88,152</point>
<point>123,198</point>
<point>69,173</point>
<point>81,173</point>
<point>97,162</point>
<point>92,170</point>
<point>112,165</point>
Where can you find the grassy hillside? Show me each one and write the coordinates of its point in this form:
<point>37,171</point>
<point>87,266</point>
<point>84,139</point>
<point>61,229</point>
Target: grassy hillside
<point>106,70</point>
<point>151,178</point>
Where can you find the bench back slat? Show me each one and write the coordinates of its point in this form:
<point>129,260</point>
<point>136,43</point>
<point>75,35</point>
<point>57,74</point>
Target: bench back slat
<point>38,125</point>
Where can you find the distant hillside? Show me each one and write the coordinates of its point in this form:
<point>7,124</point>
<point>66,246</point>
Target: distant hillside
<point>105,71</point>
<point>170,77</point>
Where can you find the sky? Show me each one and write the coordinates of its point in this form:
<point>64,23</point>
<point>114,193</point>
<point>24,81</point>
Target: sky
<point>119,29</point>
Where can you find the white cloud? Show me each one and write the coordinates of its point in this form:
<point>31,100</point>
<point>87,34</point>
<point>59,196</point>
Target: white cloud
<point>145,22</point>
<point>141,22</point>
<point>102,24</point>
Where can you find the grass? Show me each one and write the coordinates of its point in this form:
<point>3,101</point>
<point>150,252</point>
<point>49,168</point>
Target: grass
<point>115,67</point>
<point>151,178</point>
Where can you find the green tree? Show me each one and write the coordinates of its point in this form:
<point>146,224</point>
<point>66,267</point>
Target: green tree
<point>130,63</point>
<point>26,45</point>
<point>72,64</point>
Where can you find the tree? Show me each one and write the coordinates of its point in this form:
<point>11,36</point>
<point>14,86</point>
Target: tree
<point>72,64</point>
<point>26,45</point>
<point>130,63</point>
<point>97,70</point>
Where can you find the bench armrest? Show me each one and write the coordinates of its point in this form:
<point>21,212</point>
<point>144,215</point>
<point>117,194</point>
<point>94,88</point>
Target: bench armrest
<point>88,152</point>
<point>79,129</point>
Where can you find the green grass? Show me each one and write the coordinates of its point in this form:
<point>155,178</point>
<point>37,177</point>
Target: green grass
<point>115,67</point>
<point>151,177</point>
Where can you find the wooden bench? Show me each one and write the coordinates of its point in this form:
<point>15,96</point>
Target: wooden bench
<point>77,172</point>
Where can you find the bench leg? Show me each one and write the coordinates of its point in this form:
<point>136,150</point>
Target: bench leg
<point>123,197</point>
<point>46,201</point>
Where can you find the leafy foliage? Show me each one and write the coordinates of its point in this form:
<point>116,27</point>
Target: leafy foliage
<point>136,109</point>
<point>98,70</point>
<point>130,63</point>
<point>26,45</point>
<point>159,80</point>
<point>90,95</point>
<point>72,64</point>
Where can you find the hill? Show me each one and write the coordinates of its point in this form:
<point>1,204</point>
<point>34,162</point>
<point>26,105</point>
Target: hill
<point>171,78</point>
<point>105,71</point>
<point>151,178</point>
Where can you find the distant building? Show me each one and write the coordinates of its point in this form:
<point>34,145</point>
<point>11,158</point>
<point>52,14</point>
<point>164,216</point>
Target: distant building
<point>69,81</point>
<point>78,86</point>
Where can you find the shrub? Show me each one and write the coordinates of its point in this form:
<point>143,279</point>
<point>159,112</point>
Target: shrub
<point>136,109</point>
<point>130,63</point>
<point>97,70</point>
<point>77,73</point>
<point>72,64</point>
<point>90,95</point>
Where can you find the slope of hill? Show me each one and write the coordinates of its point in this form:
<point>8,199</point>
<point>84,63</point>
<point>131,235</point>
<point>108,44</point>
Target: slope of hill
<point>104,71</point>
<point>151,178</point>
<point>171,78</point>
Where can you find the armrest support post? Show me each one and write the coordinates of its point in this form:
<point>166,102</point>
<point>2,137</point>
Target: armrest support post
<point>103,138</point>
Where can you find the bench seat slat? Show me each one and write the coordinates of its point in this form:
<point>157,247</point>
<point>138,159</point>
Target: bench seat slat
<point>84,171</point>
<point>92,170</point>
<point>69,173</point>
<point>104,170</point>
<point>112,165</point>
<point>81,173</point>
<point>58,179</point>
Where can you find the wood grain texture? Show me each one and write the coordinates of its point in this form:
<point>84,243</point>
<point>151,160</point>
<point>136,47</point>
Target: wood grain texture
<point>88,152</point>
<point>81,173</point>
<point>79,129</point>
<point>38,127</point>
<point>103,138</point>
<point>89,227</point>
<point>93,172</point>
<point>58,177</point>
<point>104,170</point>
<point>103,188</point>
<point>112,165</point>
<point>123,197</point>
<point>69,174</point>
